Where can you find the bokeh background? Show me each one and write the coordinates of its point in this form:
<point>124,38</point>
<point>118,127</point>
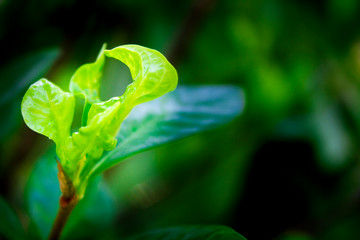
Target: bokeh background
<point>287,168</point>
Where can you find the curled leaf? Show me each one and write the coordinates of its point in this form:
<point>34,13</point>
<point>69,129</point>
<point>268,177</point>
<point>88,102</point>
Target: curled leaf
<point>153,75</point>
<point>48,110</point>
<point>86,79</point>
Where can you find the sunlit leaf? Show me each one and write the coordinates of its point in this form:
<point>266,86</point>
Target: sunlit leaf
<point>48,110</point>
<point>186,111</point>
<point>86,79</point>
<point>153,75</point>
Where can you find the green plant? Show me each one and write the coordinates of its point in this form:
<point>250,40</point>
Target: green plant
<point>49,110</point>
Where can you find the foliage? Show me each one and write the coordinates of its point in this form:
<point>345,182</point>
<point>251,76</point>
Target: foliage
<point>185,111</point>
<point>292,153</point>
<point>49,111</point>
<point>10,225</point>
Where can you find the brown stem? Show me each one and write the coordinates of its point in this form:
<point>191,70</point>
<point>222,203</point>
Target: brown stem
<point>66,207</point>
<point>68,201</point>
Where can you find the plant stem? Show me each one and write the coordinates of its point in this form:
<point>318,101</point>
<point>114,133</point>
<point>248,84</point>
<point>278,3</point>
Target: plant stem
<point>68,201</point>
<point>66,207</point>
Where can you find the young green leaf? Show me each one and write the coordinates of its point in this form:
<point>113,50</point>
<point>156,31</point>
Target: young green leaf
<point>186,111</point>
<point>48,110</point>
<point>153,75</point>
<point>210,232</point>
<point>86,79</point>
<point>10,226</point>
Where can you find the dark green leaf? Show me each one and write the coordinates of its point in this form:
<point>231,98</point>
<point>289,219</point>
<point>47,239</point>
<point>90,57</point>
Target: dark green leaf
<point>184,112</point>
<point>10,226</point>
<point>210,232</point>
<point>15,79</point>
<point>42,200</point>
<point>42,193</point>
<point>97,204</point>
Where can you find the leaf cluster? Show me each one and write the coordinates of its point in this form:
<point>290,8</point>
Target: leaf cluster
<point>49,110</point>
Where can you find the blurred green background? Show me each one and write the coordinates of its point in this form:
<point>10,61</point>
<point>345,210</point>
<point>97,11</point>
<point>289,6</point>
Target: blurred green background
<point>287,168</point>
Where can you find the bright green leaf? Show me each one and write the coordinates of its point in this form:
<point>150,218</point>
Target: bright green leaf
<point>210,232</point>
<point>153,75</point>
<point>186,111</point>
<point>10,226</point>
<point>91,141</point>
<point>48,110</point>
<point>86,80</point>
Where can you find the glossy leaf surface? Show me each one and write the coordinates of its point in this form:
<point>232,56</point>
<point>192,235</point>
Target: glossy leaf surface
<point>86,79</point>
<point>186,111</point>
<point>210,232</point>
<point>48,110</point>
<point>153,75</point>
